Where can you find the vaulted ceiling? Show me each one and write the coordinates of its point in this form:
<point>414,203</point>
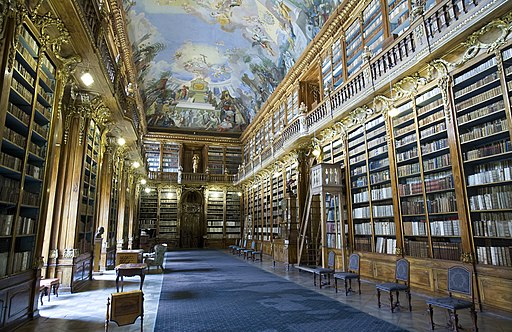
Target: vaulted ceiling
<point>209,65</point>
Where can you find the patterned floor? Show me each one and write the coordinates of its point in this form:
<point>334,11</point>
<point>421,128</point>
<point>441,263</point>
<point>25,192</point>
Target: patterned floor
<point>210,291</point>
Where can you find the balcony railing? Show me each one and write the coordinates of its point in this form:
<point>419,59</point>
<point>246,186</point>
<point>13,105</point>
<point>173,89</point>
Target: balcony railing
<point>187,178</point>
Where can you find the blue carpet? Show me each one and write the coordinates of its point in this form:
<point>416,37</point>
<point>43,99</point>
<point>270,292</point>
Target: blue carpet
<point>208,290</point>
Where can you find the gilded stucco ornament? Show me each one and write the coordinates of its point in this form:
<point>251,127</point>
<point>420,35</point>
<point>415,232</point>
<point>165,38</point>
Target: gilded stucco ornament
<point>79,109</point>
<point>100,113</point>
<point>53,253</point>
<point>439,70</point>
<point>467,257</point>
<point>489,38</point>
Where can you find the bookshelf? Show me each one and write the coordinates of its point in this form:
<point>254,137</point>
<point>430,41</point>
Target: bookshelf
<point>278,199</point>
<point>152,152</point>
<point>170,157</point>
<point>111,242</point>
<point>216,159</point>
<point>267,209</point>
<point>373,29</point>
<point>168,214</point>
<point>354,47</point>
<point>233,214</point>
<point>215,213</point>
<point>370,188</point>
<point>426,186</point>
<point>484,138</point>
<point>26,124</point>
<point>398,16</point>
<point>87,207</point>
<point>326,70</point>
<point>233,158</point>
<point>148,214</point>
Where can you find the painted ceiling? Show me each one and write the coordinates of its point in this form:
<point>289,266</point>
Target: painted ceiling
<point>209,65</point>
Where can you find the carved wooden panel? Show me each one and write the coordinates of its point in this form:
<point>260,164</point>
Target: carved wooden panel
<point>421,277</point>
<point>495,292</point>
<point>18,300</point>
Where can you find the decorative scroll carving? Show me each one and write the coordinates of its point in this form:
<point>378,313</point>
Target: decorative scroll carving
<point>398,251</point>
<point>440,70</point>
<point>100,113</point>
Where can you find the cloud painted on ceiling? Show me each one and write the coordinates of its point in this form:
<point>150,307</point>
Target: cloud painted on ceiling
<point>210,65</point>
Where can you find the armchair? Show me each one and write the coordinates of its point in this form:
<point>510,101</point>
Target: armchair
<point>157,257</point>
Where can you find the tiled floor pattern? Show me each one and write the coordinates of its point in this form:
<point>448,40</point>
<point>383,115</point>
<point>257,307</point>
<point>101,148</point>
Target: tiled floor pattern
<point>85,311</point>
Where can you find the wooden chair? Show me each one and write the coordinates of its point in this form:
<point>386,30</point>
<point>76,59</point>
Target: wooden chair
<point>240,249</point>
<point>460,282</point>
<point>325,271</point>
<point>257,253</point>
<point>124,308</point>
<point>249,251</point>
<point>402,283</point>
<point>233,247</point>
<point>351,273</point>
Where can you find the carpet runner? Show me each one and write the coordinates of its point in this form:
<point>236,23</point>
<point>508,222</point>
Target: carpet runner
<point>209,290</point>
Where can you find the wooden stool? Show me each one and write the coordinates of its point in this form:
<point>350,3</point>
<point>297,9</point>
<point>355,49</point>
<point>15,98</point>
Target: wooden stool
<point>47,285</point>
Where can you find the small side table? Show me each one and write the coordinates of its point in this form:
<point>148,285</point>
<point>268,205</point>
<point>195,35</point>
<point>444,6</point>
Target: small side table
<point>46,286</point>
<point>130,270</point>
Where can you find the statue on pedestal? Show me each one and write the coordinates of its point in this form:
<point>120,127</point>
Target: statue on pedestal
<point>195,163</point>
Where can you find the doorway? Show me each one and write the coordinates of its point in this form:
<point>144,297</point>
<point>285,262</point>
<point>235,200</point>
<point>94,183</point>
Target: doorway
<point>192,229</point>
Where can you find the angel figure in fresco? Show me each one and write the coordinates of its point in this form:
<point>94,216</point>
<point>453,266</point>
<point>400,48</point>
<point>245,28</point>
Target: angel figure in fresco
<point>262,41</point>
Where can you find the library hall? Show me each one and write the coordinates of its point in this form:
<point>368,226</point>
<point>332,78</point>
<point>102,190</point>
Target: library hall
<point>256,165</point>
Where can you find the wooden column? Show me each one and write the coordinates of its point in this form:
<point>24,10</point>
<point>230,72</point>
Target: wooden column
<point>72,153</point>
<point>104,191</point>
<point>122,200</point>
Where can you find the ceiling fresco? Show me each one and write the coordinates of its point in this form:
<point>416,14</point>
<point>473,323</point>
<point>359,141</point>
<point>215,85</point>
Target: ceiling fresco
<point>209,65</point>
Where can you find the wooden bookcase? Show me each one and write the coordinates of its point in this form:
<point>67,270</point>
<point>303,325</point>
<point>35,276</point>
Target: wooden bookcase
<point>26,118</point>
<point>168,214</point>
<point>111,242</point>
<point>370,190</point>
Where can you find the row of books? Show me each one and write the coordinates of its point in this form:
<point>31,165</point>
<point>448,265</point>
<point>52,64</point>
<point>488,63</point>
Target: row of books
<point>475,71</point>
<point>413,205</point>
<point>363,244</point>
<point>412,186</point>
<point>491,172</point>
<point>438,181</point>
<point>397,121</point>
<point>415,228</point>
<point>378,151</point>
<point>405,140</point>
<point>27,40</point>
<point>440,127</point>
<point>444,203</point>
<point>491,93</point>
<point>26,226</point>
<point>488,150</point>
<point>406,155</point>
<point>22,261</point>
<point>9,189</point>
<point>493,224</point>
<point>14,137</point>
<point>416,248</point>
<point>408,169</point>
<point>382,193</point>
<point>481,112</point>
<point>487,198</point>
<point>379,176</point>
<point>376,164</point>
<point>382,211</point>
<point>385,228</point>
<point>431,118</point>
<point>484,130</point>
<point>10,161</point>
<point>375,142</point>
<point>434,146</point>
<point>500,256</point>
<point>493,76</point>
<point>437,162</point>
<point>447,250</point>
<point>448,227</point>
<point>385,246</point>
<point>401,131</point>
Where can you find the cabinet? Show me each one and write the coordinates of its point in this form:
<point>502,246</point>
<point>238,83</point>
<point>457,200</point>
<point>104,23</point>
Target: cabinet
<point>216,159</point>
<point>170,157</point>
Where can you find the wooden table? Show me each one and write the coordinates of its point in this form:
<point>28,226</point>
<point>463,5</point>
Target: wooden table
<point>130,270</point>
